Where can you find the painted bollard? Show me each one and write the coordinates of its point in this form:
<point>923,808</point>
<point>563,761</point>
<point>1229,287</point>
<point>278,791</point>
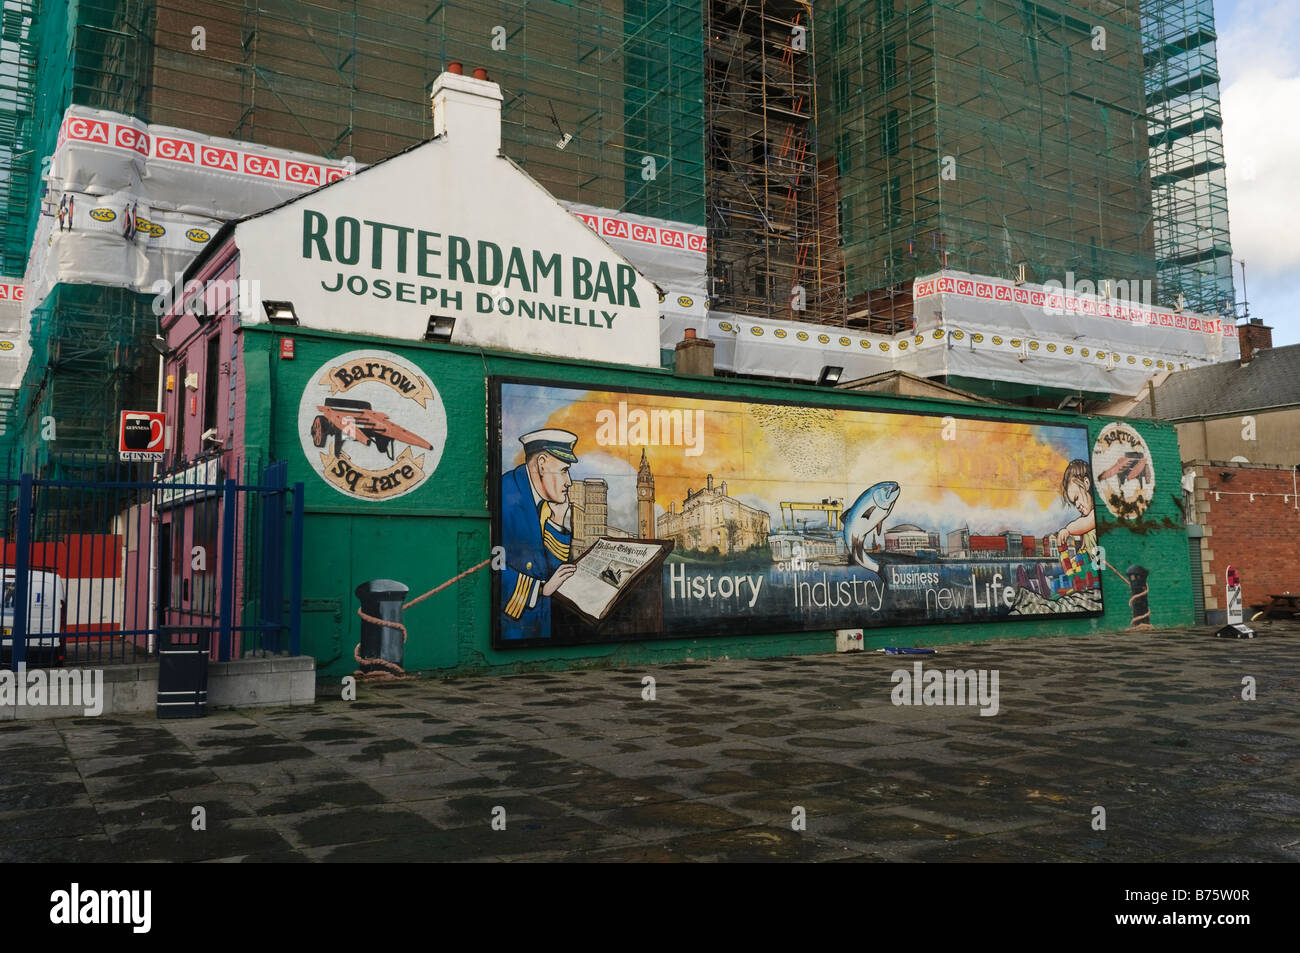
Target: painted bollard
<point>1137,582</point>
<point>382,635</point>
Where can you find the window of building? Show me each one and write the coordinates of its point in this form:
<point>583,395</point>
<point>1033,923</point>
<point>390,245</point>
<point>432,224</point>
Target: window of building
<point>182,412</point>
<point>889,133</point>
<point>206,515</point>
<point>887,62</point>
<point>842,85</point>
<point>211,383</point>
<point>720,154</point>
<point>891,199</point>
<point>844,152</point>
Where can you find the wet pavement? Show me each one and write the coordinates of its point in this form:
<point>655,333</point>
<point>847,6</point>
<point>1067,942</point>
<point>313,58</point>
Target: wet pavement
<point>1150,727</point>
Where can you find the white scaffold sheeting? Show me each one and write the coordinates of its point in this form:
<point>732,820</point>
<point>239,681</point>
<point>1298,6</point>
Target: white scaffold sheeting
<point>671,254</point>
<point>986,338</point>
<point>1123,323</point>
<point>130,204</point>
<point>13,337</point>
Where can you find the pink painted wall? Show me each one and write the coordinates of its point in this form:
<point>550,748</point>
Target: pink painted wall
<point>216,286</point>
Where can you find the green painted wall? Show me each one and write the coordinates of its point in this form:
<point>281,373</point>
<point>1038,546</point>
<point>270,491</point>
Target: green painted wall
<point>443,526</point>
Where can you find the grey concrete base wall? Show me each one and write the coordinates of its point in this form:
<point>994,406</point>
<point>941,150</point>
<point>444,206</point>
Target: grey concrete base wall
<point>247,683</point>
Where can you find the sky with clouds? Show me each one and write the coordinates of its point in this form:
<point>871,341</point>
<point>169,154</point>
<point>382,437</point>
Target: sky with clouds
<point>1259,66</point>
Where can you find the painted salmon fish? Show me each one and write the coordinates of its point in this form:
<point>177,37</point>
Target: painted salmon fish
<point>865,519</point>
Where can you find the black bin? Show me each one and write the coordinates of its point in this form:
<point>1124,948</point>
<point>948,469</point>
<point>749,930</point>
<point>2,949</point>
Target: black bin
<point>183,670</point>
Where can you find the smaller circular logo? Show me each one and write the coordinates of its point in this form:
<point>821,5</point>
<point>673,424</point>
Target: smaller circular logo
<point>1132,359</point>
<point>1101,355</point>
<point>1146,362</point>
<point>823,339</point>
<point>958,335</point>
<point>902,345</point>
<point>708,303</point>
<point>1160,364</point>
<point>372,425</point>
<point>779,332</point>
<point>977,338</point>
<point>103,214</point>
<point>726,326</point>
<point>845,342</point>
<point>1033,345</point>
<point>884,345</point>
<point>197,235</point>
<point>662,297</point>
<point>684,301</point>
<point>1069,349</point>
<point>1051,348</point>
<point>918,339</point>
<point>937,333</point>
<point>6,345</point>
<point>756,331</point>
<point>996,339</point>
<point>865,343</point>
<point>1123,470</point>
<point>801,335</point>
<point>1083,351</point>
<point>152,229</point>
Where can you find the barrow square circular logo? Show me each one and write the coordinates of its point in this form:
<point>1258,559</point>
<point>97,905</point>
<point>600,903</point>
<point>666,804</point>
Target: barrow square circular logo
<point>372,425</point>
<point>1123,470</point>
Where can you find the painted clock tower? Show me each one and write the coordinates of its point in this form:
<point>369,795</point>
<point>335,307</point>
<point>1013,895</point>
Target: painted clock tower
<point>645,499</point>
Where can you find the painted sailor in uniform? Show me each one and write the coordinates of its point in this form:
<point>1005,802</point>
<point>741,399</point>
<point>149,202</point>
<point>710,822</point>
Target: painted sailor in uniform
<point>537,532</point>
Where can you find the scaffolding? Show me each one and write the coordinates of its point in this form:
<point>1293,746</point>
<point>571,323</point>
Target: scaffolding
<point>1189,190</point>
<point>999,137</point>
<point>92,339</point>
<point>772,248</point>
<point>603,106</point>
<point>17,102</point>
<point>603,99</point>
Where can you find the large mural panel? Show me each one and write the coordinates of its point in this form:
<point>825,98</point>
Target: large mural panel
<point>634,515</point>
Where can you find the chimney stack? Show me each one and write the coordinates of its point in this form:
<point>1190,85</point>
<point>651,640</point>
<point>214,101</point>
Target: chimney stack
<point>693,355</point>
<point>1253,336</point>
<point>467,110</point>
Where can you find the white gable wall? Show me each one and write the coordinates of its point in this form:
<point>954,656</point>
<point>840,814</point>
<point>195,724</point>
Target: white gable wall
<point>453,229</point>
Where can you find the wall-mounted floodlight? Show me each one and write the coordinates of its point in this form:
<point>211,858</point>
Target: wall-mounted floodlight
<point>280,312</point>
<point>830,376</point>
<point>439,328</point>
<point>159,344</point>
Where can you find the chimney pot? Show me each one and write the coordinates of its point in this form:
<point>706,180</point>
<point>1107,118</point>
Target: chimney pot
<point>480,72</point>
<point>456,68</point>
<point>690,333</point>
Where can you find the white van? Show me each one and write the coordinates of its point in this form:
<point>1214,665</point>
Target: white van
<point>46,605</point>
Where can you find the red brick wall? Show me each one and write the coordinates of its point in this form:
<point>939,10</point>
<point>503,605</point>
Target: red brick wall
<point>1261,539</point>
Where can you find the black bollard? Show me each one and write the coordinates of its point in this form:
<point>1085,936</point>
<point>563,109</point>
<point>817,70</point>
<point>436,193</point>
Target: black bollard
<point>382,599</point>
<point>1137,582</point>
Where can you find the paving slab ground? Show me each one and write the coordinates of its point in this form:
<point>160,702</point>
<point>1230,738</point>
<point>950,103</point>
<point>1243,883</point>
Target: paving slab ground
<point>1150,726</point>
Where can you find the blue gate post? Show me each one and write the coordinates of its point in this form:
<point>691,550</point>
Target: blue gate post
<point>295,570</point>
<point>229,510</point>
<point>272,561</point>
<point>22,562</point>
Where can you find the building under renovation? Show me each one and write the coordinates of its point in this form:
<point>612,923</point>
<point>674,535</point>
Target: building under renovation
<point>867,185</point>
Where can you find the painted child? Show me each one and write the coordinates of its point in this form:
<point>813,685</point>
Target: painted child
<point>1076,489</point>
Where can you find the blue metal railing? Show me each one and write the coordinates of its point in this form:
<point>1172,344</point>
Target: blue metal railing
<point>209,544</point>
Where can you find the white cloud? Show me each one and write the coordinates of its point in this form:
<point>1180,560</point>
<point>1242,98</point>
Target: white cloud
<point>1261,84</point>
